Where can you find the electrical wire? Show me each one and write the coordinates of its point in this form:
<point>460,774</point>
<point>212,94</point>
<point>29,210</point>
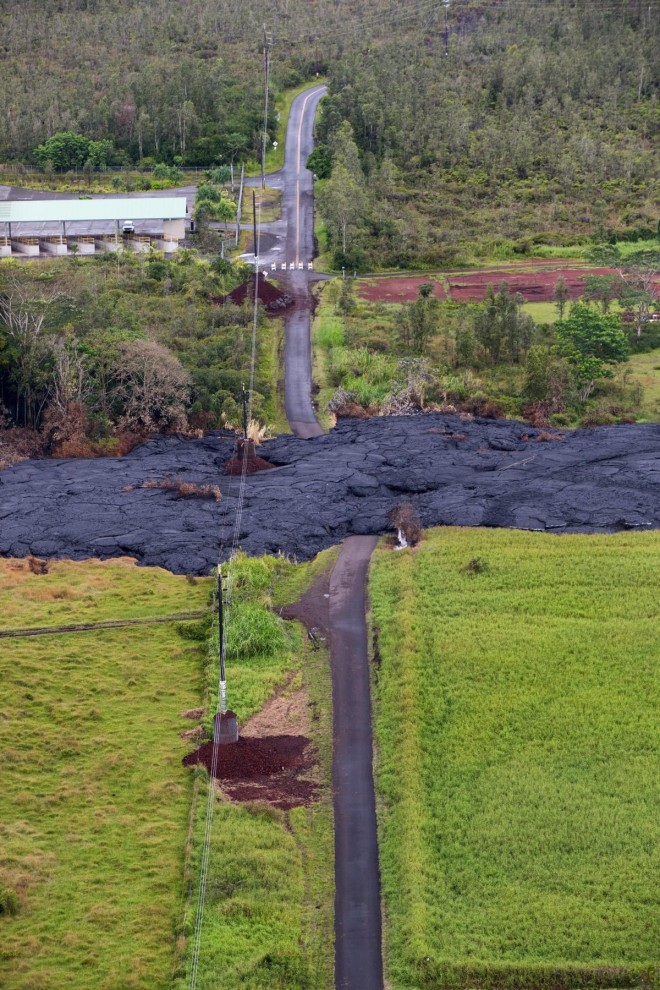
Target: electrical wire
<point>210,802</point>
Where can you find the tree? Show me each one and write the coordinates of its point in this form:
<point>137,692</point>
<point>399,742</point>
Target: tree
<point>547,378</point>
<point>419,320</point>
<point>560,295</point>
<point>637,292</point>
<point>63,150</point>
<point>503,326</point>
<point>100,153</point>
<point>320,162</point>
<point>151,386</point>
<point>24,308</point>
<point>590,341</point>
<point>602,289</point>
<point>342,203</point>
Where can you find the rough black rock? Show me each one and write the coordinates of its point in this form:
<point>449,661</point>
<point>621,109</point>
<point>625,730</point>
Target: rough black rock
<point>481,473</point>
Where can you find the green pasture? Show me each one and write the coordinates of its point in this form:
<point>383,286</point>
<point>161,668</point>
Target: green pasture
<point>517,747</point>
<point>94,802</point>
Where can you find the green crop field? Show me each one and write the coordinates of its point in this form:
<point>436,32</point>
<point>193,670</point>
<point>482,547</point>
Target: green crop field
<point>94,801</point>
<point>517,758</point>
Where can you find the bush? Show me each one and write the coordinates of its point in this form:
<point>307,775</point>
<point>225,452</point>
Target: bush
<point>8,901</point>
<point>404,518</point>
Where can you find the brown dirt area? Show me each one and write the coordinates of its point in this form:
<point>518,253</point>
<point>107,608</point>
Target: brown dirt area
<point>277,769</point>
<point>396,290</point>
<point>274,758</point>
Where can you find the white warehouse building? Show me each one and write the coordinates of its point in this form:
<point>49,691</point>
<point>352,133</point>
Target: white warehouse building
<point>33,227</point>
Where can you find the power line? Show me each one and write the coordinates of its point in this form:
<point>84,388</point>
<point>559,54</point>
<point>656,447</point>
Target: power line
<point>223,619</point>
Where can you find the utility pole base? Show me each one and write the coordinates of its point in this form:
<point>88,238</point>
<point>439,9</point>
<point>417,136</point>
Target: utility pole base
<point>225,728</point>
<point>247,446</point>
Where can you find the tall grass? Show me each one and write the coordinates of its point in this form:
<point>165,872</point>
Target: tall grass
<point>518,746</point>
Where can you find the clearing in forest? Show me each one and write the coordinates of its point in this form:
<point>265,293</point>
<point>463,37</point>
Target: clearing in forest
<point>517,739</point>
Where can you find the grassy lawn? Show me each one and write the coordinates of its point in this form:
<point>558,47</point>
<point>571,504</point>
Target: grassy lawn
<point>270,201</point>
<point>94,802</point>
<point>646,369</point>
<point>517,740</point>
<point>268,920</point>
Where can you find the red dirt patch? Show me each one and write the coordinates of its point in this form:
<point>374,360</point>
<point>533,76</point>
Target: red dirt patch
<point>252,465</point>
<point>397,290</point>
<point>533,286</point>
<point>269,769</point>
<point>271,297</point>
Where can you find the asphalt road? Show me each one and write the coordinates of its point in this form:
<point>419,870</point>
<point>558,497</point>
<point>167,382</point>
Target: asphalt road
<point>358,959</point>
<point>289,245</point>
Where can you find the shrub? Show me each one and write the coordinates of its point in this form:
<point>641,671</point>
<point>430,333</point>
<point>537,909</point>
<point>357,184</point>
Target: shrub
<point>404,518</point>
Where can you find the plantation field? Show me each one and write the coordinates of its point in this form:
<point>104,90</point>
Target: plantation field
<point>517,754</point>
<point>94,802</point>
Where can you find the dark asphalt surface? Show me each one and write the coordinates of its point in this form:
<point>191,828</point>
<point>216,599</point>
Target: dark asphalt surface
<point>358,958</point>
<point>298,216</point>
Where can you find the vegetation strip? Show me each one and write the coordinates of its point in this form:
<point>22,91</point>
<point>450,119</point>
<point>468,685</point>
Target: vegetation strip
<point>268,912</point>
<point>89,626</point>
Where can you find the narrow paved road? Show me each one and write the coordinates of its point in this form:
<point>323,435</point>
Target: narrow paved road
<point>358,960</point>
<point>294,245</point>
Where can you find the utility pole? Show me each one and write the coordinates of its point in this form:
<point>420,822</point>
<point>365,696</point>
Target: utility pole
<point>254,233</point>
<point>244,400</point>
<point>268,44</point>
<point>221,645</point>
<point>446,3</point>
<point>239,211</point>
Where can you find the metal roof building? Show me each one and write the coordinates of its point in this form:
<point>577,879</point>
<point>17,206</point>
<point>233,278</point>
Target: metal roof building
<point>89,210</point>
<point>50,226</point>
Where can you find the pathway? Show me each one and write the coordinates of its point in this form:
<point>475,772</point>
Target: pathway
<point>358,960</point>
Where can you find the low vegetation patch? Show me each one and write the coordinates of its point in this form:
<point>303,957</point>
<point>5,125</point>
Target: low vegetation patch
<point>517,741</point>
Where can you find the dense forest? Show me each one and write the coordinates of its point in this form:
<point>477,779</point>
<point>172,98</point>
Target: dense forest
<point>528,123</point>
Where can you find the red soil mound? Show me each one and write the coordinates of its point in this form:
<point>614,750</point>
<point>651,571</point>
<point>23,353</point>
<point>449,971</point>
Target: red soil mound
<point>271,297</point>
<point>268,769</point>
<point>254,464</point>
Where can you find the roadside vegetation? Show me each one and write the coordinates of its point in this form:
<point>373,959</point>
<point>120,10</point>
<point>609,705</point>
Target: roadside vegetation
<point>566,362</point>
<point>94,802</point>
<point>268,919</point>
<point>97,354</point>
<point>515,701</point>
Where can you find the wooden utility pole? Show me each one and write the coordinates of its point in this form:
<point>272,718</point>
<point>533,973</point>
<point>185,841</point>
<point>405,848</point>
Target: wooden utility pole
<point>446,3</point>
<point>221,644</point>
<point>268,44</point>
<point>239,210</point>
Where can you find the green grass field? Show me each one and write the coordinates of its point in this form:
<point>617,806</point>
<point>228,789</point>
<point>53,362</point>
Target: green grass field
<point>268,919</point>
<point>94,802</point>
<point>517,758</point>
<point>646,369</point>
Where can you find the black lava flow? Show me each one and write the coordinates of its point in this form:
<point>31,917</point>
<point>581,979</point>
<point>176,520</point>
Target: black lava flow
<point>479,473</point>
